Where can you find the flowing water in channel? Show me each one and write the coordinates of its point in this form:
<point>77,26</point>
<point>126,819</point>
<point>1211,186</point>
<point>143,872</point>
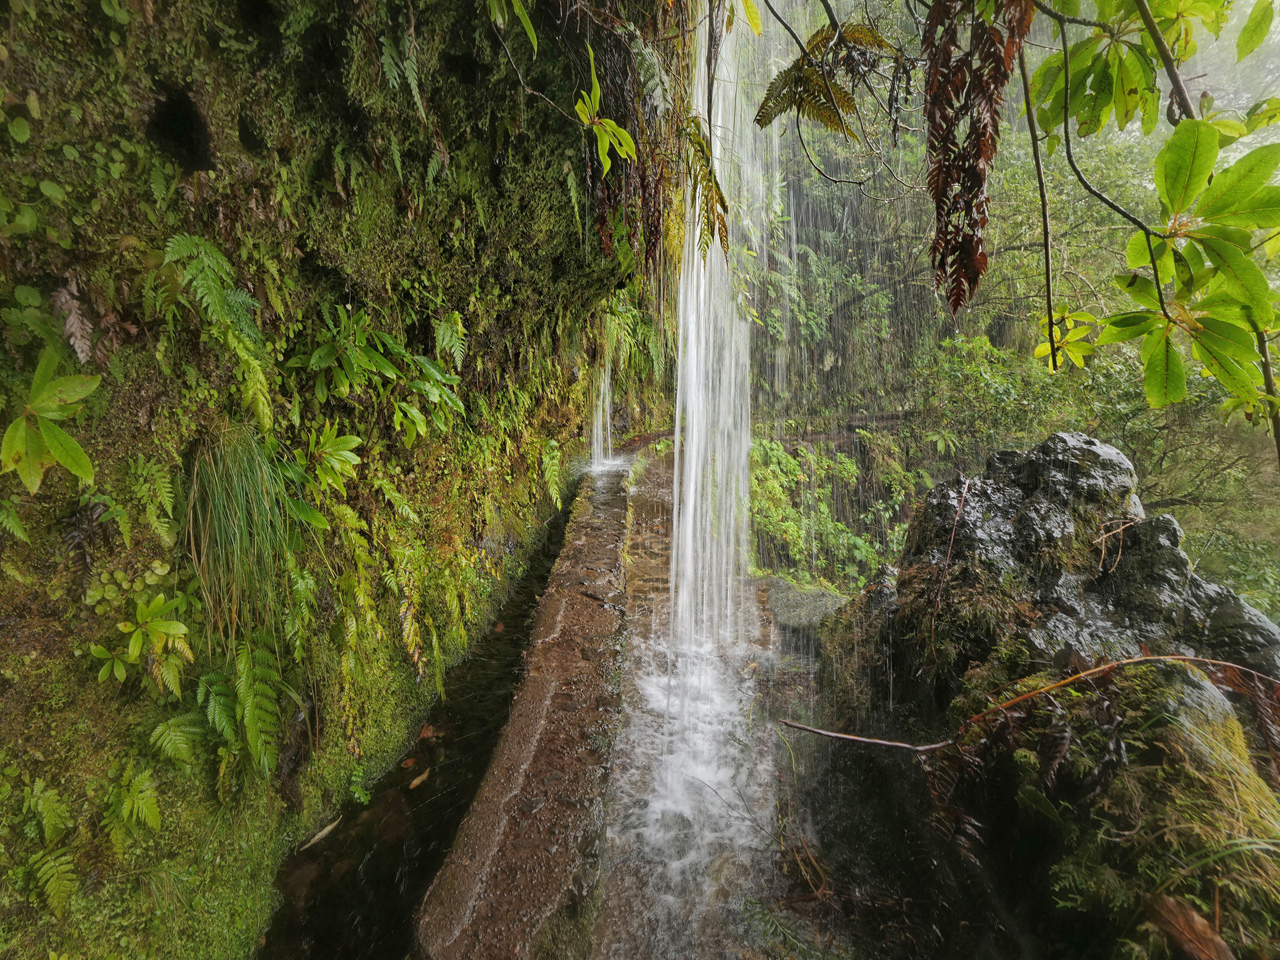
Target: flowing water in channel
<point>691,799</point>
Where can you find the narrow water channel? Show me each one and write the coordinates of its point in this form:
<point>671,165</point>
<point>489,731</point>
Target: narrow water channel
<point>353,894</point>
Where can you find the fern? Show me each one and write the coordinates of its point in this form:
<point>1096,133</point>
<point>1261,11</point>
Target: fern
<point>300,610</point>
<point>215,694</point>
<point>551,470</point>
<point>176,737</point>
<point>397,500</point>
<point>257,706</point>
<point>708,199</point>
<point>49,807</point>
<point>9,520</point>
<point>228,309</point>
<point>451,338</point>
<point>133,802</point>
<point>56,877</point>
<point>803,86</point>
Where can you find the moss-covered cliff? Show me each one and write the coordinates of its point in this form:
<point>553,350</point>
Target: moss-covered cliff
<point>274,230</point>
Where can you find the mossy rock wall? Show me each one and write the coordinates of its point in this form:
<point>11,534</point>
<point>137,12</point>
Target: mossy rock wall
<point>381,159</point>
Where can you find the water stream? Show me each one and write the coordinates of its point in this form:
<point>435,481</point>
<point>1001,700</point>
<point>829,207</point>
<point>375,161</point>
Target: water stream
<point>691,798</point>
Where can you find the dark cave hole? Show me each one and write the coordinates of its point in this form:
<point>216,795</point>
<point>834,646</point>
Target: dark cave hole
<point>250,137</point>
<point>179,130</point>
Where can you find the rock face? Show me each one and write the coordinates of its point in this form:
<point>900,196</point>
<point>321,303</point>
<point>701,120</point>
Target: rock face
<point>1108,798</point>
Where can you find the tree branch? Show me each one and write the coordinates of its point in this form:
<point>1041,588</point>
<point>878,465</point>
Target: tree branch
<point>1044,208</point>
<point>1166,57</point>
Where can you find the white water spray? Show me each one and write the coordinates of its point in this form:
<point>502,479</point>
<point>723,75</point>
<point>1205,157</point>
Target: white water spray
<point>602,425</point>
<point>693,768</point>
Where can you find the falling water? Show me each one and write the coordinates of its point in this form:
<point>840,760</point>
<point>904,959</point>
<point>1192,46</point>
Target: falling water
<point>602,425</point>
<point>693,768</point>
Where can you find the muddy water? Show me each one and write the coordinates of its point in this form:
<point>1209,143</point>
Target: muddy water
<point>353,894</point>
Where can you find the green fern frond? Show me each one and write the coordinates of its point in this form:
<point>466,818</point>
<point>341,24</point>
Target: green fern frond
<point>451,338</point>
<point>257,703</point>
<point>214,693</point>
<point>56,877</point>
<point>397,500</point>
<point>49,808</point>
<point>10,522</point>
<point>176,737</point>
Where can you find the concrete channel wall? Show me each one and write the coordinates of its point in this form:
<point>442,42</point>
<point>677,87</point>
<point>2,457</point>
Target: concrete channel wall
<point>527,853</point>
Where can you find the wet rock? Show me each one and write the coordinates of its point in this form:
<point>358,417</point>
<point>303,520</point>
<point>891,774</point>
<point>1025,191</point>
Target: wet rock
<point>1081,806</point>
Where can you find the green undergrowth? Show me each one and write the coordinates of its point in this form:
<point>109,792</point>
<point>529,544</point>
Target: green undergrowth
<point>349,293</point>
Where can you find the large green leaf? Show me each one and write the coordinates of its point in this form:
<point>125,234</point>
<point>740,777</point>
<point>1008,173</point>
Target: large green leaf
<point>1241,277</point>
<point>523,15</point>
<point>1239,182</point>
<point>65,450</point>
<point>1260,210</point>
<point>1184,165</point>
<point>56,399</point>
<point>31,464</point>
<point>1164,377</point>
<point>752,13</point>
<point>1225,369</point>
<point>14,447</point>
<point>1255,29</point>
<point>1228,338</point>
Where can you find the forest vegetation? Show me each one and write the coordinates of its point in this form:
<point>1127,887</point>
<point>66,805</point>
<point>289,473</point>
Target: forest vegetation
<point>306,306</point>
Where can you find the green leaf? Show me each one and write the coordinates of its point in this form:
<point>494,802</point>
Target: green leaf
<point>1138,254</point>
<point>753,16</point>
<point>1119,334</point>
<point>1164,377</point>
<point>307,513</point>
<point>323,357</point>
<point>45,369</point>
<point>373,360</point>
<point>53,192</point>
<point>1242,278</point>
<point>1184,165</point>
<point>1229,339</point>
<point>1255,29</point>
<point>595,83</point>
<point>19,129</point>
<point>32,463</point>
<point>523,16</point>
<point>1239,182</point>
<point>14,447</point>
<point>65,450</point>
<point>1225,369</point>
<point>1260,210</point>
<point>63,392</point>
<point>1140,288</point>
<point>602,146</point>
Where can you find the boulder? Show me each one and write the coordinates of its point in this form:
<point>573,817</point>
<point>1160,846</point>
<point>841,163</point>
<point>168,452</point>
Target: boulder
<point>1099,810</point>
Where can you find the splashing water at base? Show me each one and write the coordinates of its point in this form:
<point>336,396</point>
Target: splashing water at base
<point>691,797</point>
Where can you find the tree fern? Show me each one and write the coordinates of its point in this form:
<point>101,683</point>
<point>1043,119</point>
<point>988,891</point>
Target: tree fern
<point>56,877</point>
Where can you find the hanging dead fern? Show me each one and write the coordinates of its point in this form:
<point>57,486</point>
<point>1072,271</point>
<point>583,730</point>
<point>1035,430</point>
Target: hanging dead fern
<point>964,93</point>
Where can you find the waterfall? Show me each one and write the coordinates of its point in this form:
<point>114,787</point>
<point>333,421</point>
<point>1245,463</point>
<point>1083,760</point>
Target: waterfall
<point>693,773</point>
<point>602,424</point>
